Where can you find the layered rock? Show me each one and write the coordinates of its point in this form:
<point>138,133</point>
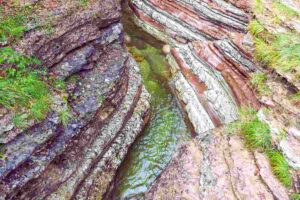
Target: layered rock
<point>107,101</point>
<point>210,66</point>
<point>217,166</point>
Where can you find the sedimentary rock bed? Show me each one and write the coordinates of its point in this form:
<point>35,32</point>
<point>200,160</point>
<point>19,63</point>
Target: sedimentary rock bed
<point>210,65</point>
<point>108,106</point>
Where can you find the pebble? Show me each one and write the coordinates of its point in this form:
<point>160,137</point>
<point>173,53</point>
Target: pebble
<point>166,49</point>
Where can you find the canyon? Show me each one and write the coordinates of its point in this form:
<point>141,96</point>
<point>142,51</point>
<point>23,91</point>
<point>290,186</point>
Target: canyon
<point>153,89</point>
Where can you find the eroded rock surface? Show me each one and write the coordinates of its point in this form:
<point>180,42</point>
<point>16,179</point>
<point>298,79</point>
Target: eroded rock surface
<point>211,62</point>
<point>210,66</point>
<point>108,106</point>
<point>217,166</point>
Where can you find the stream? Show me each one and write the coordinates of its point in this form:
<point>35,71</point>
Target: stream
<point>153,150</point>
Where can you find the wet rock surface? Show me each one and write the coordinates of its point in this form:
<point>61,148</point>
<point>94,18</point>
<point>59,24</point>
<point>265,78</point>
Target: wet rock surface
<point>108,107</point>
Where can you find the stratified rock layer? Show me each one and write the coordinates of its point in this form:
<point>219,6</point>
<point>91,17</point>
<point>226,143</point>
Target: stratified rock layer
<point>217,166</point>
<point>108,106</point>
<point>210,67</point>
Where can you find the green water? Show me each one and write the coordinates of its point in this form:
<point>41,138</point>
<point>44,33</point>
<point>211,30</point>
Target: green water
<point>150,154</point>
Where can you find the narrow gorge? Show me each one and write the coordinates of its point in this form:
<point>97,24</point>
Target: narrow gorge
<point>150,99</point>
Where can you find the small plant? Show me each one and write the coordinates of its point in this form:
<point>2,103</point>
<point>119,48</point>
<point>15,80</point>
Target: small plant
<point>280,167</point>
<point>21,87</point>
<point>257,135</point>
<point>64,116</point>
<point>255,27</point>
<point>258,81</point>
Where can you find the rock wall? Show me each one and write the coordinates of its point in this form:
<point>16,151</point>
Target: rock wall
<point>109,107</point>
<point>210,66</point>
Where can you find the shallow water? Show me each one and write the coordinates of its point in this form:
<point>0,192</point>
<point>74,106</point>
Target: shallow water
<point>153,150</point>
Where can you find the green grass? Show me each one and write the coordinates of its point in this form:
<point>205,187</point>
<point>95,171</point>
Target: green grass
<point>258,81</point>
<point>255,27</point>
<point>280,167</point>
<point>64,116</point>
<point>284,10</point>
<point>25,91</point>
<point>22,88</point>
<point>16,60</point>
<point>295,196</point>
<point>257,135</point>
<point>20,120</point>
<point>11,27</point>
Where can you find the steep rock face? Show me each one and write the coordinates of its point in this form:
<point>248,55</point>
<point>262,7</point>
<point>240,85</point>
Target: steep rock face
<point>210,66</point>
<point>108,105</point>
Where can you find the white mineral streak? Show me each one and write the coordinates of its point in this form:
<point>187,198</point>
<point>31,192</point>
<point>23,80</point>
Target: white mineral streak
<point>217,93</point>
<point>196,112</point>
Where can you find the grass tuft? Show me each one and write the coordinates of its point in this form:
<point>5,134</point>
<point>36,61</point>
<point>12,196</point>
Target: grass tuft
<point>64,116</point>
<point>257,136</point>
<point>255,132</point>
<point>258,81</point>
<point>255,27</point>
<point>280,167</point>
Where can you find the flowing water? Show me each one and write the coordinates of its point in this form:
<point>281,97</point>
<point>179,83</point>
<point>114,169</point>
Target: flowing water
<point>153,150</point>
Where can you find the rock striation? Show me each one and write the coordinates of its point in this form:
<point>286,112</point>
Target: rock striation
<point>211,67</point>
<point>108,105</point>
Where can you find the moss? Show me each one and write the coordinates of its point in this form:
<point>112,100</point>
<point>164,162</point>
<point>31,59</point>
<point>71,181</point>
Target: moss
<point>280,167</point>
<point>152,67</point>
